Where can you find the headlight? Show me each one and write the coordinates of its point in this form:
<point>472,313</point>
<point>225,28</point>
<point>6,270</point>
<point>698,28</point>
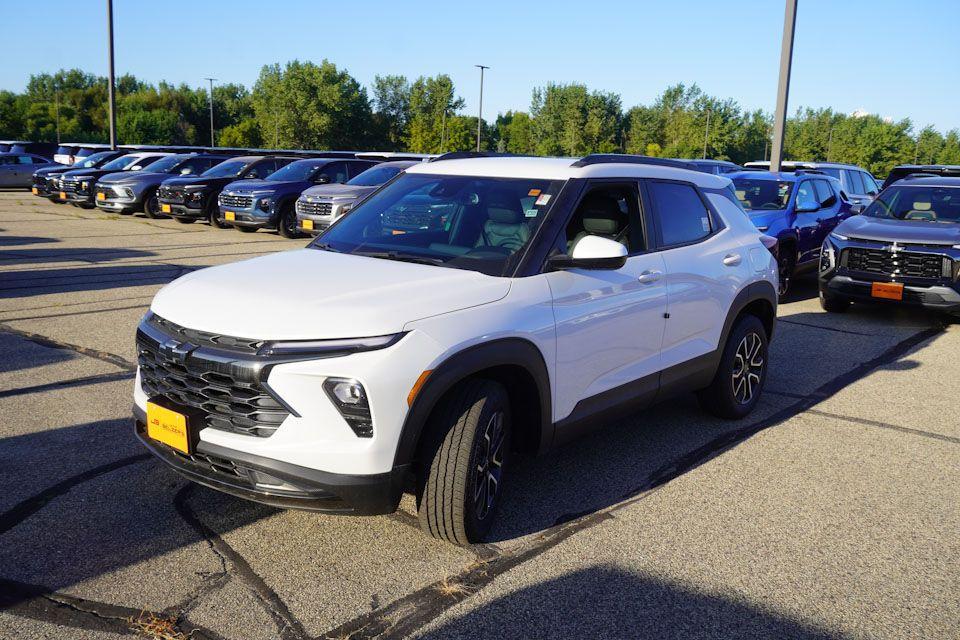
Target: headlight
<point>350,399</point>
<point>327,348</point>
<point>84,185</point>
<point>838,236</point>
<point>342,209</point>
<point>762,229</point>
<point>828,256</point>
<point>264,204</point>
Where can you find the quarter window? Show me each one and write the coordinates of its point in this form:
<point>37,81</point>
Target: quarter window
<point>681,213</point>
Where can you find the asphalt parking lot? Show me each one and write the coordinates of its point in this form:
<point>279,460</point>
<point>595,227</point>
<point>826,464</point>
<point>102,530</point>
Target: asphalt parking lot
<point>832,512</point>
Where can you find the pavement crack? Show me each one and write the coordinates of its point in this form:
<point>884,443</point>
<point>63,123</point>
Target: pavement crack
<point>44,341</point>
<point>886,425</point>
<point>833,329</point>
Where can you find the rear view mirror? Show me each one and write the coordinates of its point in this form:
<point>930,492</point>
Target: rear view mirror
<point>856,209</point>
<point>591,252</point>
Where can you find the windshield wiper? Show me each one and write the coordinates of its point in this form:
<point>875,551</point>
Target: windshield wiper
<point>326,246</point>
<point>400,257</point>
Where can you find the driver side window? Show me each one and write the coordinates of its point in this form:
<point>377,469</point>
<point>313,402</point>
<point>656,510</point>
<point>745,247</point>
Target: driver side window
<point>806,197</point>
<point>609,211</point>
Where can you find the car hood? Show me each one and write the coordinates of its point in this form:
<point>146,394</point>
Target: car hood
<point>132,177</point>
<point>195,180</point>
<point>336,191</point>
<point>247,187</point>
<point>904,231</point>
<point>54,170</point>
<point>309,294</point>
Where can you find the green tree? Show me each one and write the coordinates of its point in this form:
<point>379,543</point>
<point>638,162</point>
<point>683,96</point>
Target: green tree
<point>391,104</point>
<point>433,105</point>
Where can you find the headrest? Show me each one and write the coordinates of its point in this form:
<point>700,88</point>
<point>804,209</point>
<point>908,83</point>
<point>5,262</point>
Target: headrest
<point>601,214</point>
<point>922,206</point>
<point>504,207</point>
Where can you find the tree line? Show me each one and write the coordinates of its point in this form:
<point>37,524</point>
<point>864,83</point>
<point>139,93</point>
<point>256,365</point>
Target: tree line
<point>304,105</point>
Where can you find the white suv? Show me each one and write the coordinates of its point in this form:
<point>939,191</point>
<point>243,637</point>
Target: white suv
<point>468,309</point>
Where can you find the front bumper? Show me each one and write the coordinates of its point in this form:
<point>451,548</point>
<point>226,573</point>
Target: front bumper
<point>254,219</point>
<point>280,484</point>
<point>118,206</point>
<point>180,210</point>
<point>317,224</point>
<point>935,297</point>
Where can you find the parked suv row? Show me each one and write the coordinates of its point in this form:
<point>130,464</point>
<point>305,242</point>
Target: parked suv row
<point>468,310</point>
<point>127,192</point>
<point>858,185</point>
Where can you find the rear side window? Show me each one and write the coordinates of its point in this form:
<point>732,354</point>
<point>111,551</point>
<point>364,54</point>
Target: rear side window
<point>680,212</point>
<point>825,193</point>
<point>869,183</point>
<point>856,184</point>
<point>24,160</point>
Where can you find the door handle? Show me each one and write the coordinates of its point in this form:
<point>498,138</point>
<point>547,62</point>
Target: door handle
<point>732,259</point>
<point>649,277</point>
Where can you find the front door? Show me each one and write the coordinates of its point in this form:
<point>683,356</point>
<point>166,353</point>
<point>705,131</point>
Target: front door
<point>609,323</point>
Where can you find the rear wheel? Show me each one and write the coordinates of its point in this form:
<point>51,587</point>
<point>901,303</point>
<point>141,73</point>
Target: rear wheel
<point>213,215</point>
<point>742,371</point>
<point>287,222</point>
<point>460,484</point>
<point>833,304</point>
<point>786,262</point>
<point>151,206</point>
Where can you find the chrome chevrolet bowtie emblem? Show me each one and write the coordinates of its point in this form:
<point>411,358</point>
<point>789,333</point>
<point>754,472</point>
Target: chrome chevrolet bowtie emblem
<point>894,247</point>
<point>176,351</point>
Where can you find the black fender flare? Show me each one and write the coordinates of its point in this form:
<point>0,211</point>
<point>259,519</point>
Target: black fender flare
<point>759,290</point>
<point>461,365</point>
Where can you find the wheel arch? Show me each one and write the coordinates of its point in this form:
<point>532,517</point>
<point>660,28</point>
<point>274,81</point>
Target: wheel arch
<point>514,362</point>
<point>758,298</point>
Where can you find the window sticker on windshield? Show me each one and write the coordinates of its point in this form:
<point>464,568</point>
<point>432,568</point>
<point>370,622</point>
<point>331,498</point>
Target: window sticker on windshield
<point>543,199</point>
<point>533,192</point>
<point>530,213</point>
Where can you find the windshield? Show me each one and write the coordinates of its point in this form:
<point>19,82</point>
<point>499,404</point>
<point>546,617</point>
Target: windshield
<point>121,163</point>
<point>298,171</point>
<point>93,160</point>
<point>762,194</point>
<point>375,176</point>
<point>480,224</point>
<point>228,169</point>
<point>163,165</point>
<point>919,203</point>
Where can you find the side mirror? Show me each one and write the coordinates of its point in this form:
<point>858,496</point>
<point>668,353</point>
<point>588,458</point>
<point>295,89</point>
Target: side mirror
<point>856,209</point>
<point>322,179</point>
<point>591,252</point>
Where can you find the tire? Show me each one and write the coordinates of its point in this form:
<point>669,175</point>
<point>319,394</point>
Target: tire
<point>287,222</point>
<point>185,220</point>
<point>213,216</point>
<point>786,263</point>
<point>742,371</point>
<point>151,206</point>
<point>452,507</point>
<point>833,304</point>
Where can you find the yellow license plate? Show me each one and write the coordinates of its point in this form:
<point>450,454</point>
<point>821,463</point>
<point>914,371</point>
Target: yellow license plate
<point>229,215</point>
<point>168,426</point>
<point>165,208</point>
<point>34,191</point>
<point>63,195</point>
<point>887,290</point>
<point>101,195</point>
<point>307,224</point>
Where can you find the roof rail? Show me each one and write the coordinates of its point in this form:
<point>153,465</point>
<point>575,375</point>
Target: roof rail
<point>624,158</point>
<point>462,155</point>
<point>816,171</point>
<point>921,174</point>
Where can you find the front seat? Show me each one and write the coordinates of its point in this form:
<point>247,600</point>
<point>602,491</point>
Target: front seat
<point>505,227</point>
<point>922,210</point>
<point>600,215</point>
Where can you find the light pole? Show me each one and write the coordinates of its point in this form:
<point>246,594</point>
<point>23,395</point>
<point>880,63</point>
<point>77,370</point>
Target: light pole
<point>783,86</point>
<point>212,143</point>
<point>480,110</point>
<point>110,89</point>
<point>706,134</point>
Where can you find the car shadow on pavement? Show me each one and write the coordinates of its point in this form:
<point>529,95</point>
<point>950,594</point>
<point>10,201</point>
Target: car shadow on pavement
<point>13,241</point>
<point>91,255</point>
<point>28,283</point>
<point>17,356</point>
<point>608,602</point>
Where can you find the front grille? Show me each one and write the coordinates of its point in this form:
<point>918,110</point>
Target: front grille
<point>40,182</point>
<point>314,208</point>
<point>900,264</point>
<point>238,202</point>
<point>170,194</point>
<point>68,187</point>
<point>204,338</point>
<point>230,395</point>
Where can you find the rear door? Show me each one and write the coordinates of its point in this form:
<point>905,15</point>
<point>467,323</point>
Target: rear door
<point>8,171</point>
<point>806,206</point>
<point>704,265</point>
<point>609,323</point>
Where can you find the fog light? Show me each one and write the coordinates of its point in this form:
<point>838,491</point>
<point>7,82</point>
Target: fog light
<point>264,205</point>
<point>350,398</point>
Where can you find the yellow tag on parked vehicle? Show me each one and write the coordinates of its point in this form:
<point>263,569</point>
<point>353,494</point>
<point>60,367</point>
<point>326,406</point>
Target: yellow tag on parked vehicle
<point>229,215</point>
<point>165,208</point>
<point>63,195</point>
<point>34,190</point>
<point>307,224</point>
<point>168,426</point>
<point>101,195</point>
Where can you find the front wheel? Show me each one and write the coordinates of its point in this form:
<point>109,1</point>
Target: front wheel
<point>742,371</point>
<point>469,441</point>
<point>287,222</point>
<point>151,206</point>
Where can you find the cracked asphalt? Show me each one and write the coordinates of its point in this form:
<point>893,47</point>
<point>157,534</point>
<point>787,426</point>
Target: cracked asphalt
<point>832,512</point>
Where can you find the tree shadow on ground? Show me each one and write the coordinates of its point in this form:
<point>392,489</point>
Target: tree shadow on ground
<point>13,241</point>
<point>25,284</point>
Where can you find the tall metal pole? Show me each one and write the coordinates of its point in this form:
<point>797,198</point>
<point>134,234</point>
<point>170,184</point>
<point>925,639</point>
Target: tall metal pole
<point>783,86</point>
<point>110,89</point>
<point>706,134</point>
<point>480,110</point>
<point>212,143</point>
<point>57,104</point>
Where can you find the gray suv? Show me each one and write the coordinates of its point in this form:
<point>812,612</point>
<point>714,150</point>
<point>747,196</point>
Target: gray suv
<point>318,207</point>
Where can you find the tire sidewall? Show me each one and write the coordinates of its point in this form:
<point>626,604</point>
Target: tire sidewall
<point>743,327</point>
<point>477,529</point>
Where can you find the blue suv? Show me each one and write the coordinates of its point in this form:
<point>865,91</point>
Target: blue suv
<point>799,209</point>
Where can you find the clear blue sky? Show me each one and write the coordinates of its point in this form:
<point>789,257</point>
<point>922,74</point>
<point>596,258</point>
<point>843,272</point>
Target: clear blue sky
<point>889,57</point>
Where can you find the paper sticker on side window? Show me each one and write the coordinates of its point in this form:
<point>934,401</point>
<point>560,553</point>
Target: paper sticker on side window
<point>705,221</point>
